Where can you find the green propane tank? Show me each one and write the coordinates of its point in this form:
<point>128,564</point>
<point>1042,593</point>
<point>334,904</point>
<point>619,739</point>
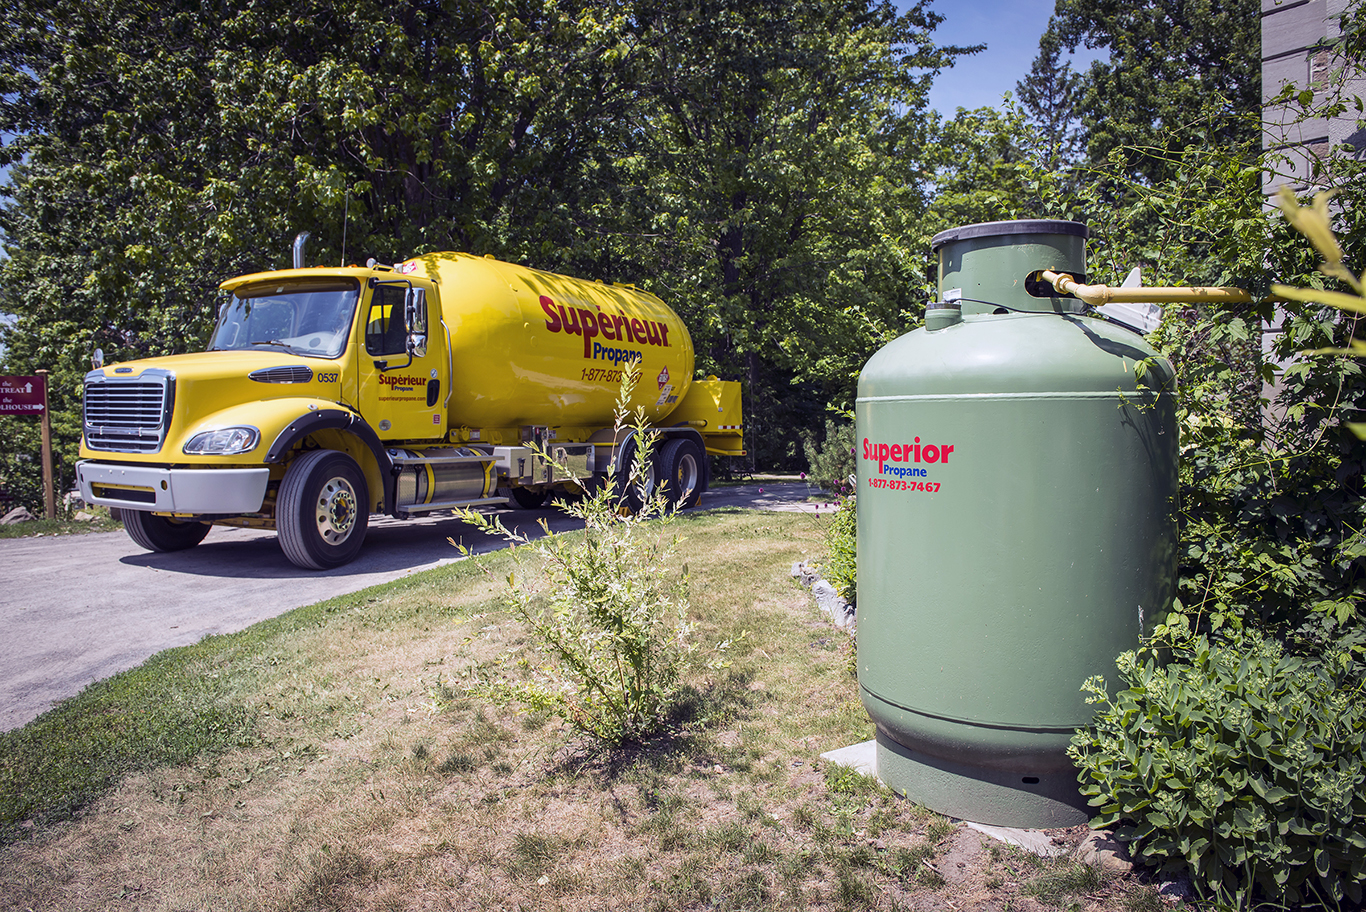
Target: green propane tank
<point>1016,525</point>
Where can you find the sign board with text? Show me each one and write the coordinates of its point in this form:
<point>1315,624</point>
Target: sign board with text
<point>21,396</point>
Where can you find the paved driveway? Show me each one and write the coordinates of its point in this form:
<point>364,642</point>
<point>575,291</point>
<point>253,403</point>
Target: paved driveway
<point>79,608</point>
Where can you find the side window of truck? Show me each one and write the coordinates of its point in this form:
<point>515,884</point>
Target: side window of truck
<point>384,333</point>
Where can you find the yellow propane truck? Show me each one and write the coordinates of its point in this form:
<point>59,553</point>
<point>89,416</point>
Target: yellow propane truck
<point>329,394</point>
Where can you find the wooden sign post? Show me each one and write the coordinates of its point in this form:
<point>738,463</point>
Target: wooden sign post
<point>49,494</point>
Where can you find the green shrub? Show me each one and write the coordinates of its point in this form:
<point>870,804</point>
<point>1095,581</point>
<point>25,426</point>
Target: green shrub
<point>832,461</point>
<point>607,611</point>
<point>1237,761</point>
<point>841,539</point>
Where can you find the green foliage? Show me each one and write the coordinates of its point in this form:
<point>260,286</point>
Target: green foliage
<point>1273,495</point>
<point>607,611</point>
<point>1167,60</point>
<point>1273,481</point>
<point>841,541</point>
<point>1166,123</point>
<point>847,781</point>
<point>779,186</point>
<point>830,463</point>
<point>1238,761</point>
<point>1049,94</point>
<point>1230,760</point>
<point>989,165</point>
<point>1316,224</point>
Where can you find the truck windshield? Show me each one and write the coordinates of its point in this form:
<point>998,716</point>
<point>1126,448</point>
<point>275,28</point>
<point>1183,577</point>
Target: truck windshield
<point>303,317</point>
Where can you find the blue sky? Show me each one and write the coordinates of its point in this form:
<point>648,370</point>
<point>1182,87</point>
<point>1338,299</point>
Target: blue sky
<point>1009,28</point>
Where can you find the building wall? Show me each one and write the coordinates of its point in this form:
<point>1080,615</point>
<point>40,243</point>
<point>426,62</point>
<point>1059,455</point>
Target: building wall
<point>1295,37</point>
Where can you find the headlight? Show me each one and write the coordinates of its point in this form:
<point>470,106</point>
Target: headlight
<point>223,442</point>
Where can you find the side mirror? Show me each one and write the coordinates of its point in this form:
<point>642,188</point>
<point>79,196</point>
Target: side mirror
<point>415,321</point>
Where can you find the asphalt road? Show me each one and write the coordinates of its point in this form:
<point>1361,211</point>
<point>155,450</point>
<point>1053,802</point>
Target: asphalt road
<point>76,609</point>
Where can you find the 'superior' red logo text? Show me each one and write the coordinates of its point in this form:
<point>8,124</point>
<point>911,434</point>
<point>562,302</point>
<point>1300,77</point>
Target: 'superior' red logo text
<point>883,453</point>
<point>580,321</point>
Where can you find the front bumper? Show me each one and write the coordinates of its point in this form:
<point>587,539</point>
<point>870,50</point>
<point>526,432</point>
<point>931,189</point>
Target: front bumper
<point>132,487</point>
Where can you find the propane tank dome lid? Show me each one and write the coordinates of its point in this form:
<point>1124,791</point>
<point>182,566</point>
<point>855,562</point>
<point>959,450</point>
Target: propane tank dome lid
<point>1021,226</point>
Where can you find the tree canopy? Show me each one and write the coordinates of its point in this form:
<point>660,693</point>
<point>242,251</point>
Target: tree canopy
<point>1179,74</point>
<point>755,163</point>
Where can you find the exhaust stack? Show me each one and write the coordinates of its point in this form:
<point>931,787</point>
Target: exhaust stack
<point>299,243</point>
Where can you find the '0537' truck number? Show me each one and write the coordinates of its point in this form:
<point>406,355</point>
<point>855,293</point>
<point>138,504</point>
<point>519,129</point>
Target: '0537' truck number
<point>328,378</point>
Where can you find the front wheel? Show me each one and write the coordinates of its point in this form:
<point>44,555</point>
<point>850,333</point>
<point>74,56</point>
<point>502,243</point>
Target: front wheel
<point>162,533</point>
<point>323,510</point>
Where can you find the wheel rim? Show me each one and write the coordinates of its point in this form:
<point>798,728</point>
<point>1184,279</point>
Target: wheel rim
<point>686,476</point>
<point>336,513</point>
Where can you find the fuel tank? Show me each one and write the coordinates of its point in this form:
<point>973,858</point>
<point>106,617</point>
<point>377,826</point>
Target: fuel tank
<point>535,348</point>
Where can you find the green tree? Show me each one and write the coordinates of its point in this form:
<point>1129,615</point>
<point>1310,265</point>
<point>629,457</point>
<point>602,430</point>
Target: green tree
<point>1169,62</point>
<point>987,164</point>
<point>1049,95</point>
<point>781,164</point>
<point>1273,508</point>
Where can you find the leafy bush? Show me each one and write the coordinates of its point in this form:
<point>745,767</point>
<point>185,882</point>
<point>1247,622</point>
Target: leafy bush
<point>609,612</point>
<point>831,462</point>
<point>1238,761</point>
<point>841,538</point>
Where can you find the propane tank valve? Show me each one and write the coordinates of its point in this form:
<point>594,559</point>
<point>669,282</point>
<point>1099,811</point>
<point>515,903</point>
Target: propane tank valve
<point>942,314</point>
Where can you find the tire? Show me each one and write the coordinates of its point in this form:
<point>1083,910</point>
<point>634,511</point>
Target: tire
<point>627,494</point>
<point>528,499</point>
<point>161,533</point>
<point>323,510</point>
<point>684,473</point>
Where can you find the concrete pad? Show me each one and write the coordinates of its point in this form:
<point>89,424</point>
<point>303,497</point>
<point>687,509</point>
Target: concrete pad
<point>862,758</point>
<point>1036,842</point>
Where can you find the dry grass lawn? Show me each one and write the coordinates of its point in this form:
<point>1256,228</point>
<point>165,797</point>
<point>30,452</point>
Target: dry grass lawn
<point>377,781</point>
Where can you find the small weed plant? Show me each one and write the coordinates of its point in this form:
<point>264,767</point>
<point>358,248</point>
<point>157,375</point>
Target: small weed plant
<point>608,610</point>
<point>1238,761</point>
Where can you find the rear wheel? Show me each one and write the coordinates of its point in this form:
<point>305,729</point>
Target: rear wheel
<point>162,533</point>
<point>632,493</point>
<point>323,510</point>
<point>683,473</point>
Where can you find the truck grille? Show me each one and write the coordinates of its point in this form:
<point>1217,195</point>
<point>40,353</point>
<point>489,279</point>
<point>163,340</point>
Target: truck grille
<point>128,416</point>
